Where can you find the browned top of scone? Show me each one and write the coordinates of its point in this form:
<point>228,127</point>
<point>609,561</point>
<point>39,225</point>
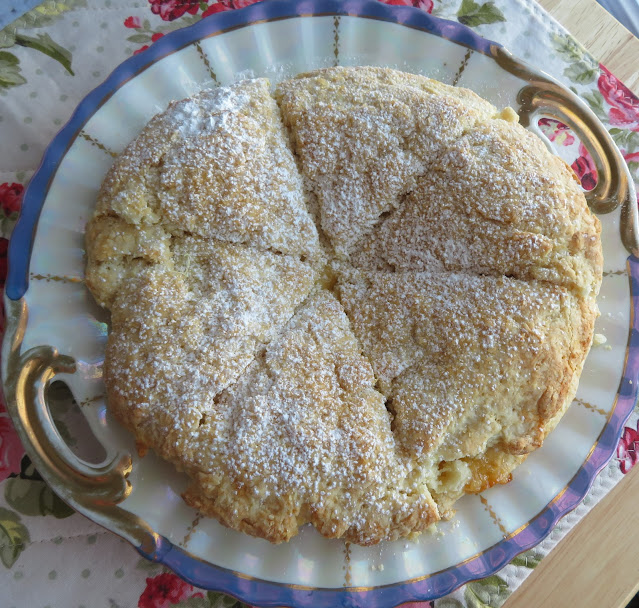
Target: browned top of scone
<point>345,303</point>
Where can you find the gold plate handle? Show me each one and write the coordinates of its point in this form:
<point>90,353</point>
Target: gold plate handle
<point>544,96</point>
<point>93,489</point>
<point>38,368</point>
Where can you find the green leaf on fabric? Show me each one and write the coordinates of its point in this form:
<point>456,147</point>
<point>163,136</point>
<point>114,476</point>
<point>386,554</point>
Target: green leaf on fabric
<point>448,602</point>
<point>28,470</point>
<point>582,72</point>
<point>472,14</point>
<point>176,24</point>
<point>13,537</point>
<point>221,600</point>
<point>46,13</point>
<point>43,14</point>
<point>212,600</point>
<point>583,69</point>
<point>7,224</point>
<point>568,47</point>
<point>194,602</point>
<point>33,497</point>
<point>46,45</point>
<point>490,592</point>
<point>528,559</point>
<point>139,38</point>
<point>7,37</point>
<point>23,495</point>
<point>626,139</point>
<point>10,75</point>
<point>596,102</point>
<point>52,504</point>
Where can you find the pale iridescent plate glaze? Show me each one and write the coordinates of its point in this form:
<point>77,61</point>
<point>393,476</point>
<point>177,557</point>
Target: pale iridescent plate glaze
<point>56,332</point>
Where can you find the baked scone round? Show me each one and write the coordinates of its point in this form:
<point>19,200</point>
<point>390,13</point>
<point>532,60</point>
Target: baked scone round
<point>348,302</point>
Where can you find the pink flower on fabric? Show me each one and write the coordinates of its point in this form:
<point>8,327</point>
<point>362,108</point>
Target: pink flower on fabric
<point>164,590</point>
<point>11,450</point>
<point>218,7</point>
<point>170,10</point>
<point>631,158</point>
<point>243,3</point>
<point>624,111</point>
<point>556,131</point>
<point>628,448</point>
<point>154,38</point>
<point>132,22</point>
<point>425,5</point>
<point>11,197</point>
<point>585,169</point>
<point>228,5</point>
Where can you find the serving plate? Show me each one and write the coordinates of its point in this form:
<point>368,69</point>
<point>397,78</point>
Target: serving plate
<point>55,332</point>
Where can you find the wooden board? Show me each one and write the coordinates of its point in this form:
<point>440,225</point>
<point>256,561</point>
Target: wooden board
<point>595,566</point>
<point>606,39</point>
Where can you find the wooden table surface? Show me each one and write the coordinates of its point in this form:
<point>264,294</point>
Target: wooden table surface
<point>595,566</point>
<point>606,39</point>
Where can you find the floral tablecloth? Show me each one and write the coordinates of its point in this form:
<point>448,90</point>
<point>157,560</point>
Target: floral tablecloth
<point>50,58</point>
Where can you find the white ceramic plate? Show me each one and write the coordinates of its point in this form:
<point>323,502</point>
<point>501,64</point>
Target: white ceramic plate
<point>55,330</point>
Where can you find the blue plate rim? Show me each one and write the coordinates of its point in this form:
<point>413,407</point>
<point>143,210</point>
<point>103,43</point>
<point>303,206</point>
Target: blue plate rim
<point>265,593</point>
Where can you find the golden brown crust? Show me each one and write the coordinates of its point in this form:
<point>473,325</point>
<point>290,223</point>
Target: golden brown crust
<point>216,166</point>
<point>507,207</point>
<point>471,366</point>
<point>363,136</point>
<point>305,430</point>
<point>345,304</point>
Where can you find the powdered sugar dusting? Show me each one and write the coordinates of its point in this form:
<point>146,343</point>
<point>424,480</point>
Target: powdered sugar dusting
<point>305,426</point>
<point>364,135</point>
<point>345,304</point>
<point>196,117</point>
<point>493,203</point>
